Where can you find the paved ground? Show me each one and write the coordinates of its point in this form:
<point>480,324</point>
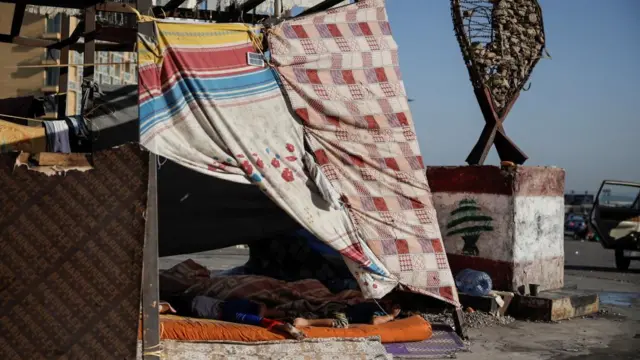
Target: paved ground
<point>615,335</point>
<point>611,335</point>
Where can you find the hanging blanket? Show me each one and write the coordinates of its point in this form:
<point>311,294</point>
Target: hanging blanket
<point>340,70</point>
<point>298,297</point>
<point>202,105</point>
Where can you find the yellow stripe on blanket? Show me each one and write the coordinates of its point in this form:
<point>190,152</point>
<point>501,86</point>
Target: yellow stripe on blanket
<point>200,36</point>
<point>204,35</point>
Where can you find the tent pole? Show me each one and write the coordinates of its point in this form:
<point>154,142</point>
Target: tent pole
<point>458,321</point>
<point>277,11</point>
<point>151,349</point>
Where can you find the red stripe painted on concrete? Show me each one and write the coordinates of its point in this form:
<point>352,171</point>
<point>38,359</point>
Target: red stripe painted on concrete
<point>524,181</point>
<point>468,179</point>
<point>539,181</point>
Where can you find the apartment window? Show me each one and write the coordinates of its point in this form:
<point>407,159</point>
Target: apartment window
<point>54,23</point>
<point>52,76</point>
<point>53,54</point>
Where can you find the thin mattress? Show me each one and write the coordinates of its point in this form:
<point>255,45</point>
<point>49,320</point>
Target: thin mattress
<point>172,327</point>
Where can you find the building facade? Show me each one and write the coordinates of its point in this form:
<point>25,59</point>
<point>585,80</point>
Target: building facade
<point>34,71</point>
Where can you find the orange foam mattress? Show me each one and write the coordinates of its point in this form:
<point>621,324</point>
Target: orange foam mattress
<point>414,328</point>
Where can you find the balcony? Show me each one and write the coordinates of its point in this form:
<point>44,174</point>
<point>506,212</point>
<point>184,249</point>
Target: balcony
<point>50,61</point>
<point>49,116</point>
<point>49,88</point>
<point>51,35</point>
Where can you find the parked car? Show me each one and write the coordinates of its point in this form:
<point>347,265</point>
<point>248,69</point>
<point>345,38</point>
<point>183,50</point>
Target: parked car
<point>576,226</point>
<point>615,218</point>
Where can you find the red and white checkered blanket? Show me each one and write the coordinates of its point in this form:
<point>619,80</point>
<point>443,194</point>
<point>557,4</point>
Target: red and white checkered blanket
<point>341,73</point>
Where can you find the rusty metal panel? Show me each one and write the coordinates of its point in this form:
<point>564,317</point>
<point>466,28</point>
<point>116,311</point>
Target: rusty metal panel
<point>71,249</point>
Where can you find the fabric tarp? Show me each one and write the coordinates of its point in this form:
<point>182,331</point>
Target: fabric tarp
<point>204,107</point>
<point>341,73</point>
<point>112,117</point>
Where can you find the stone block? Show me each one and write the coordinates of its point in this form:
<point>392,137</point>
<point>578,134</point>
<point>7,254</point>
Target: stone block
<point>508,223</point>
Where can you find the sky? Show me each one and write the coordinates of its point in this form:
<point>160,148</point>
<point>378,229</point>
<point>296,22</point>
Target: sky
<point>582,112</point>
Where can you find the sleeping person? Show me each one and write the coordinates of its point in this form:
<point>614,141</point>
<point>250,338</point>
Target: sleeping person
<point>233,310</point>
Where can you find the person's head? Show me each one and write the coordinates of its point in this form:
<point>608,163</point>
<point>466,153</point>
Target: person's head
<point>387,304</point>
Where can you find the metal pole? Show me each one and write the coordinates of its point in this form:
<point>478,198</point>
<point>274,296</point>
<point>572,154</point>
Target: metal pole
<point>277,11</point>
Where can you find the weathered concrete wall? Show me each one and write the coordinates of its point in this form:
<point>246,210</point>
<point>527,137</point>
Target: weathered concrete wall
<point>506,223</point>
<point>539,227</point>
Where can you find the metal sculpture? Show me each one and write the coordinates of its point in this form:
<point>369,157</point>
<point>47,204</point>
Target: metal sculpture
<point>501,42</point>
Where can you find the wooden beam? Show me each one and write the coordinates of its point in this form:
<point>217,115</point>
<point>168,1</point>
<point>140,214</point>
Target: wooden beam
<point>248,5</point>
<point>458,321</point>
<point>116,7</point>
<point>320,7</point>
<point>89,45</point>
<point>172,5</point>
<point>79,46</point>
<point>493,133</point>
<point>63,79</point>
<point>150,288</point>
<point>69,4</point>
<point>18,16</point>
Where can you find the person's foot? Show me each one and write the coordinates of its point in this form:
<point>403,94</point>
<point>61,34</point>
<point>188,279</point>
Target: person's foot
<point>300,322</point>
<point>292,331</point>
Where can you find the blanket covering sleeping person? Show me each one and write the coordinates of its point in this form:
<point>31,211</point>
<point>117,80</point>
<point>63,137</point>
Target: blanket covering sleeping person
<point>240,311</point>
<point>293,298</point>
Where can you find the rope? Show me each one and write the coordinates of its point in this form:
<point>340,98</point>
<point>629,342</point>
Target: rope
<point>156,350</point>
<point>380,306</point>
<point>140,17</point>
<point>160,162</point>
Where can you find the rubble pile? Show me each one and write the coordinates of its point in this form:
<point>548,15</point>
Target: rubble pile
<point>505,39</point>
<point>473,320</point>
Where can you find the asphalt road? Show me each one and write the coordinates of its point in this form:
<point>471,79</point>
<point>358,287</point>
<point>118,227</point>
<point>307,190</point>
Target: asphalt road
<point>589,255</point>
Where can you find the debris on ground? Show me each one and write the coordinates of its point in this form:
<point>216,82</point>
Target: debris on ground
<point>473,320</point>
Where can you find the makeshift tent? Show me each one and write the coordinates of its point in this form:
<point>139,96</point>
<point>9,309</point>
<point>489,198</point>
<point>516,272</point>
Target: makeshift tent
<point>341,158</point>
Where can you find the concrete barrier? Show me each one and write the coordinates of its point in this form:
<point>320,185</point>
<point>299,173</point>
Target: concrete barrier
<point>508,223</point>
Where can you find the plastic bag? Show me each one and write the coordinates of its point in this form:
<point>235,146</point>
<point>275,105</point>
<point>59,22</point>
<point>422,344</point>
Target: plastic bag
<point>473,282</point>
